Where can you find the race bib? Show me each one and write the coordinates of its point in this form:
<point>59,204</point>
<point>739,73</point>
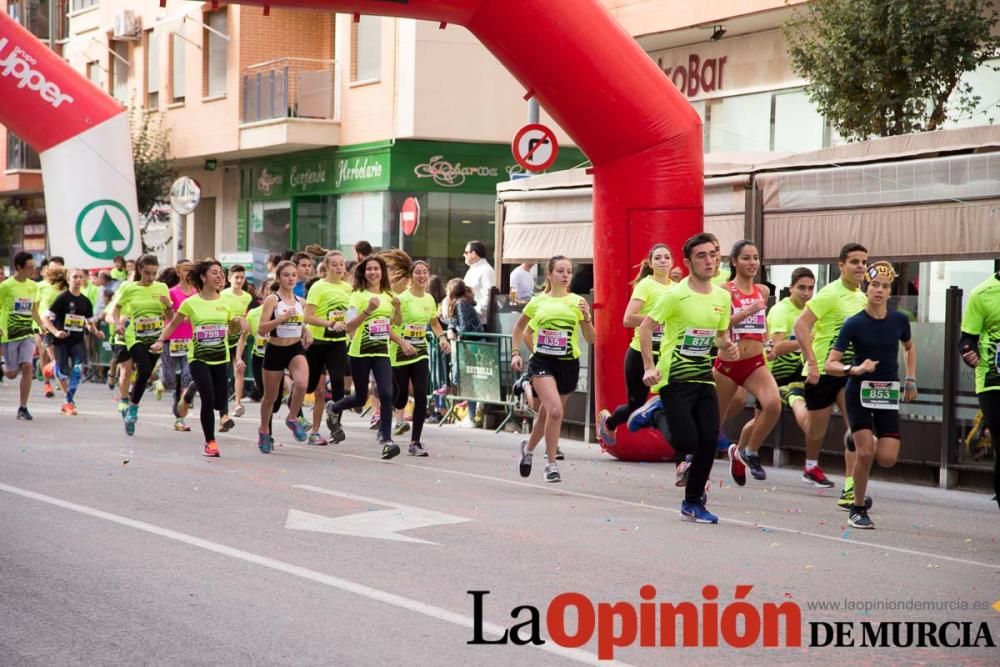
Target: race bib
<point>552,341</point>
<point>877,395</point>
<point>415,333</point>
<point>292,328</point>
<point>755,324</point>
<point>148,327</point>
<point>337,317</point>
<point>22,305</point>
<point>179,347</point>
<point>258,346</point>
<point>74,322</point>
<point>658,333</point>
<point>378,329</point>
<point>210,334</point>
<point>697,342</point>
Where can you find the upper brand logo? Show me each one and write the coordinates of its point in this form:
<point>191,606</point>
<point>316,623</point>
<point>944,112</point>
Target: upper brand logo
<point>19,64</point>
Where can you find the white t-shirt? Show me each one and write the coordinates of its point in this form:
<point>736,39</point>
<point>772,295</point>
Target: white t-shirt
<point>481,277</point>
<point>523,281</point>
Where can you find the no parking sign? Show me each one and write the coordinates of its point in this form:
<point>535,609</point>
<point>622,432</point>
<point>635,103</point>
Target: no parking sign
<point>535,147</point>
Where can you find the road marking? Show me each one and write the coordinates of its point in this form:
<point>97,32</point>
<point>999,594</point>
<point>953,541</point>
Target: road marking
<point>632,503</point>
<point>379,525</point>
<point>399,601</point>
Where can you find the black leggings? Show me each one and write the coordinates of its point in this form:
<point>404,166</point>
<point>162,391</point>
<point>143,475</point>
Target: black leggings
<point>329,356</point>
<point>420,375</point>
<point>635,390</point>
<point>692,412</point>
<point>257,364</point>
<point>361,367</point>
<point>211,382</point>
<point>989,402</point>
<point>143,361</point>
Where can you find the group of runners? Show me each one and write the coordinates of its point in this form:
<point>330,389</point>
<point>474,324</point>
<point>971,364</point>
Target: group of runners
<point>700,344</point>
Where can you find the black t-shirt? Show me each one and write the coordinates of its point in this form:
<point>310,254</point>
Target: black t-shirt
<point>71,313</point>
<point>874,339</point>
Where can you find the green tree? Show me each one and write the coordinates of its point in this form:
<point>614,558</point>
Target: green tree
<point>151,155</point>
<point>878,68</point>
<point>10,217</point>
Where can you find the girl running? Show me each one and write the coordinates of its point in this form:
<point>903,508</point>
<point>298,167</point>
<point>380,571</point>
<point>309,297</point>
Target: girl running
<point>409,357</point>
<point>238,300</point>
<point>652,280</point>
<point>208,354</point>
<point>554,317</point>
<point>175,367</point>
<point>371,312</point>
<point>147,303</point>
<point>281,321</point>
<point>67,318</point>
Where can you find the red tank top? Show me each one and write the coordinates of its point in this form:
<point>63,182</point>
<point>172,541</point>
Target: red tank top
<point>753,327</point>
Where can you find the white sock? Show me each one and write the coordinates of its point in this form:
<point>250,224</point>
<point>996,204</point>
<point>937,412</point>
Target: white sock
<point>810,464</point>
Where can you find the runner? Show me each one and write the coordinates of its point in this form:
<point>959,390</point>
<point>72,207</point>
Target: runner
<point>554,316</point>
<point>259,347</point>
<point>147,302</point>
<point>750,371</point>
<point>816,329</point>
<point>409,357</point>
<point>980,348</point>
<point>238,300</point>
<point>653,279</point>
<point>695,318</point>
<point>873,388</point>
<point>48,289</point>
<point>121,360</point>
<point>175,368</point>
<point>281,322</point>
<point>372,309</point>
<point>783,353</point>
<point>18,315</point>
<point>208,353</point>
<point>66,319</point>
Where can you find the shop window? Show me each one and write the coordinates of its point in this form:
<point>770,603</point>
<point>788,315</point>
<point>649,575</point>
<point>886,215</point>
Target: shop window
<point>741,123</point>
<point>448,222</point>
<point>178,62</point>
<point>152,70</point>
<point>366,49</point>
<point>362,216</point>
<point>119,71</point>
<point>216,56</point>
<point>315,221</point>
<point>796,125</point>
<point>270,225</point>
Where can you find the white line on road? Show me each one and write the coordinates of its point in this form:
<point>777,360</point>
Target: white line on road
<point>334,582</point>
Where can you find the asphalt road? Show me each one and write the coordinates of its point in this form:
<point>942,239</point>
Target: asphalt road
<point>119,550</point>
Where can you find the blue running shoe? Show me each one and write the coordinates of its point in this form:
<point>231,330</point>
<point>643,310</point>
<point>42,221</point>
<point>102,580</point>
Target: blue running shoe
<point>130,416</point>
<point>265,443</point>
<point>297,429</point>
<point>722,444</point>
<point>696,512</point>
<point>643,417</point>
<point>607,435</point>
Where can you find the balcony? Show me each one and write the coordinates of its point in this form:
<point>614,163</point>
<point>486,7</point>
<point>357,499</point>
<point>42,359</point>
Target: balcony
<point>290,104</point>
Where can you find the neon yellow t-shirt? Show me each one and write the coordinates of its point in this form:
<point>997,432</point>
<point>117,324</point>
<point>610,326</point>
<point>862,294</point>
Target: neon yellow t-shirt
<point>555,322</point>
<point>691,321</point>
<point>832,305</point>
<point>146,311</point>
<point>982,318</point>
<point>371,339</point>
<point>781,320</point>
<point>646,290</point>
<point>238,307</point>
<point>417,313</point>
<point>210,322</point>
<point>253,320</point>
<point>17,301</point>
<point>331,301</point>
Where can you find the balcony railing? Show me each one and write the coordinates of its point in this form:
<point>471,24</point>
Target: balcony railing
<point>20,155</point>
<point>291,88</point>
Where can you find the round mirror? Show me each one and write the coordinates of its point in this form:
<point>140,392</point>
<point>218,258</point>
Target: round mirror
<point>185,195</point>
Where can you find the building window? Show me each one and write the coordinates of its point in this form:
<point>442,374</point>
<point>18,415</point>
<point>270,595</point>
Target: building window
<point>20,155</point>
<point>77,5</point>
<point>119,71</point>
<point>215,52</point>
<point>366,49</point>
<point>32,14</point>
<point>797,125</point>
<point>783,120</point>
<point>94,73</point>
<point>177,64</point>
<point>152,70</point>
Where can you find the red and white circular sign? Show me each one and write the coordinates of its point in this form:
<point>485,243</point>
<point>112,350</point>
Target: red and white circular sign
<point>409,216</point>
<point>535,147</point>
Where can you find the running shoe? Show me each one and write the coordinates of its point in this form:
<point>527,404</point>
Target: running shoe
<point>296,428</point>
<point>22,413</point>
<point>815,477</point>
<point>696,512</point>
<point>607,435</point>
<point>211,449</point>
<point>265,443</point>
<point>559,454</point>
<point>158,390</point>
<point>752,462</point>
<point>183,408</point>
<point>48,389</point>
<point>859,519</point>
<point>227,424</point>
<point>130,416</point>
<point>846,500</point>
<point>416,449</point>
<point>317,440</point>
<point>333,423</point>
<point>643,417</point>
<point>375,421</point>
<point>524,465</point>
<point>68,409</point>
<point>122,405</point>
<point>552,473</point>
<point>683,470</point>
<point>737,470</point>
<point>179,425</point>
<point>239,411</point>
<point>400,428</point>
<point>389,450</point>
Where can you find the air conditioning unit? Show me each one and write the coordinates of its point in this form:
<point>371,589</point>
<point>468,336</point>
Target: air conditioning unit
<point>127,26</point>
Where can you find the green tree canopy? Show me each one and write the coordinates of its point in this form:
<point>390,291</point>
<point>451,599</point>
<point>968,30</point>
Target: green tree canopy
<point>878,68</point>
